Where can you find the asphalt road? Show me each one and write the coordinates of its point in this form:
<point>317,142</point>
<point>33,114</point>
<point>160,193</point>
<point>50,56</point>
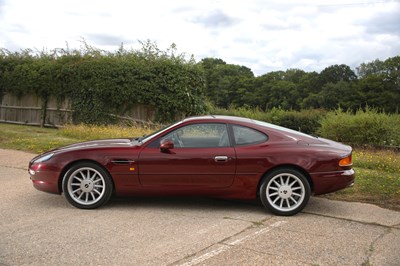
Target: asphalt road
<point>43,229</point>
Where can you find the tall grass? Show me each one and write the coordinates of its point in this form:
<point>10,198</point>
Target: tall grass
<point>91,132</point>
<point>38,140</point>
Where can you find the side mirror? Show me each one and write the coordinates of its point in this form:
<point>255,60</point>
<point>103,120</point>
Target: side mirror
<point>166,145</point>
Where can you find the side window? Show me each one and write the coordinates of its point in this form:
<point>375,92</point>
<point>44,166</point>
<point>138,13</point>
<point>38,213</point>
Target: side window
<point>247,136</point>
<point>200,136</point>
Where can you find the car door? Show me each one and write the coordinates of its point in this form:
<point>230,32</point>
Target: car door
<point>202,156</point>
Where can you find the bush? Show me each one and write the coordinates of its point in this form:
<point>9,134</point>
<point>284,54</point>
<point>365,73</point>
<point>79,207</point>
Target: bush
<point>366,127</point>
<point>307,121</point>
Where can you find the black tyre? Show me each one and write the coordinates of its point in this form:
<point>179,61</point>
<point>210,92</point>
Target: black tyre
<point>285,191</point>
<point>87,186</point>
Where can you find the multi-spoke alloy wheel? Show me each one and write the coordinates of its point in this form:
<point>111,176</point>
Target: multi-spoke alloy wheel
<point>285,191</point>
<point>87,186</point>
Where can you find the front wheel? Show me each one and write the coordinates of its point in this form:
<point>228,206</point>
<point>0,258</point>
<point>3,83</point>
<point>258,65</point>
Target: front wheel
<point>285,191</point>
<point>87,186</point>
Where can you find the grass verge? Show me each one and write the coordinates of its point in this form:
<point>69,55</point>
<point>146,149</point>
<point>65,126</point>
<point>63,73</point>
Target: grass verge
<point>378,171</point>
<point>377,179</point>
<point>31,139</point>
<point>38,140</point>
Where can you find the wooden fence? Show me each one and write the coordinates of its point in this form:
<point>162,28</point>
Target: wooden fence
<point>32,110</point>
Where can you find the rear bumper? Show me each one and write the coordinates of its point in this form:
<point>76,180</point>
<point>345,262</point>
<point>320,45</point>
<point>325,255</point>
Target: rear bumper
<point>327,182</point>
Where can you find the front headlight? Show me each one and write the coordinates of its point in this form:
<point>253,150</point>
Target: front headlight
<point>44,158</point>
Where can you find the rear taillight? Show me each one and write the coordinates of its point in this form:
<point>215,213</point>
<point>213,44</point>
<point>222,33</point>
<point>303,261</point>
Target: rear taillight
<point>347,161</point>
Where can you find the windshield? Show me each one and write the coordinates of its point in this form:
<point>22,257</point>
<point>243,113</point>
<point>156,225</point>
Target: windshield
<point>148,137</point>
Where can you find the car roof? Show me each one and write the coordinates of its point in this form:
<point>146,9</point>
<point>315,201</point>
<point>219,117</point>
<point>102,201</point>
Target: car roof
<point>220,117</point>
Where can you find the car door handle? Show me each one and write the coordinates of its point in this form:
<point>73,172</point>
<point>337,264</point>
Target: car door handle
<point>221,158</point>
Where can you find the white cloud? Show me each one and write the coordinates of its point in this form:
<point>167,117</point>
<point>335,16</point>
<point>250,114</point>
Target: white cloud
<point>262,35</point>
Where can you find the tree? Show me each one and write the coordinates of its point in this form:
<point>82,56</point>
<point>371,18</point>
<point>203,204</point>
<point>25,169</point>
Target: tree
<point>341,94</point>
<point>366,69</point>
<point>392,72</point>
<point>334,74</point>
<point>380,84</point>
<point>226,84</point>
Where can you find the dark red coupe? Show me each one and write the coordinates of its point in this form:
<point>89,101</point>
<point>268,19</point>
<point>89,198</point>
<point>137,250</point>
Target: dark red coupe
<point>213,156</point>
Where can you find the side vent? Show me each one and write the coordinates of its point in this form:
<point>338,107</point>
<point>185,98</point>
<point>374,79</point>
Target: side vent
<point>122,161</point>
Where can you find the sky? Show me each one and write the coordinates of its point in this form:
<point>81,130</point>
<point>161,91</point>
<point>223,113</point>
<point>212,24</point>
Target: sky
<point>263,35</point>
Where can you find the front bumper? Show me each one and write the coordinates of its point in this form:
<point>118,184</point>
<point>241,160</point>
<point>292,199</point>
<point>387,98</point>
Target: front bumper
<point>44,180</point>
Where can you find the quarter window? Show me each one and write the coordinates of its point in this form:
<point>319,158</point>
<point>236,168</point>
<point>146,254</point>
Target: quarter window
<point>246,136</point>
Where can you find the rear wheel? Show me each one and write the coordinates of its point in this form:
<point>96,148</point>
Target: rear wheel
<point>285,191</point>
<point>87,186</point>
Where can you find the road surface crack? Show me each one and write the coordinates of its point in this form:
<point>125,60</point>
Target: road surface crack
<point>255,223</point>
<point>371,248</point>
<point>14,167</point>
<point>351,220</point>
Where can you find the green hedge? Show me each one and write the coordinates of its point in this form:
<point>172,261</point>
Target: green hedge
<point>101,83</point>
<point>365,127</point>
<point>307,121</point>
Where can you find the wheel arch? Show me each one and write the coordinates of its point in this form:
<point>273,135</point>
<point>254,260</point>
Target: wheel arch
<point>285,166</point>
<point>71,164</point>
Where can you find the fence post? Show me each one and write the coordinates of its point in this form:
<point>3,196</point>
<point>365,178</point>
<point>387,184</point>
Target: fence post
<point>44,110</point>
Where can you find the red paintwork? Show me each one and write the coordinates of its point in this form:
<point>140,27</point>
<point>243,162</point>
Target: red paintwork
<point>193,171</point>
